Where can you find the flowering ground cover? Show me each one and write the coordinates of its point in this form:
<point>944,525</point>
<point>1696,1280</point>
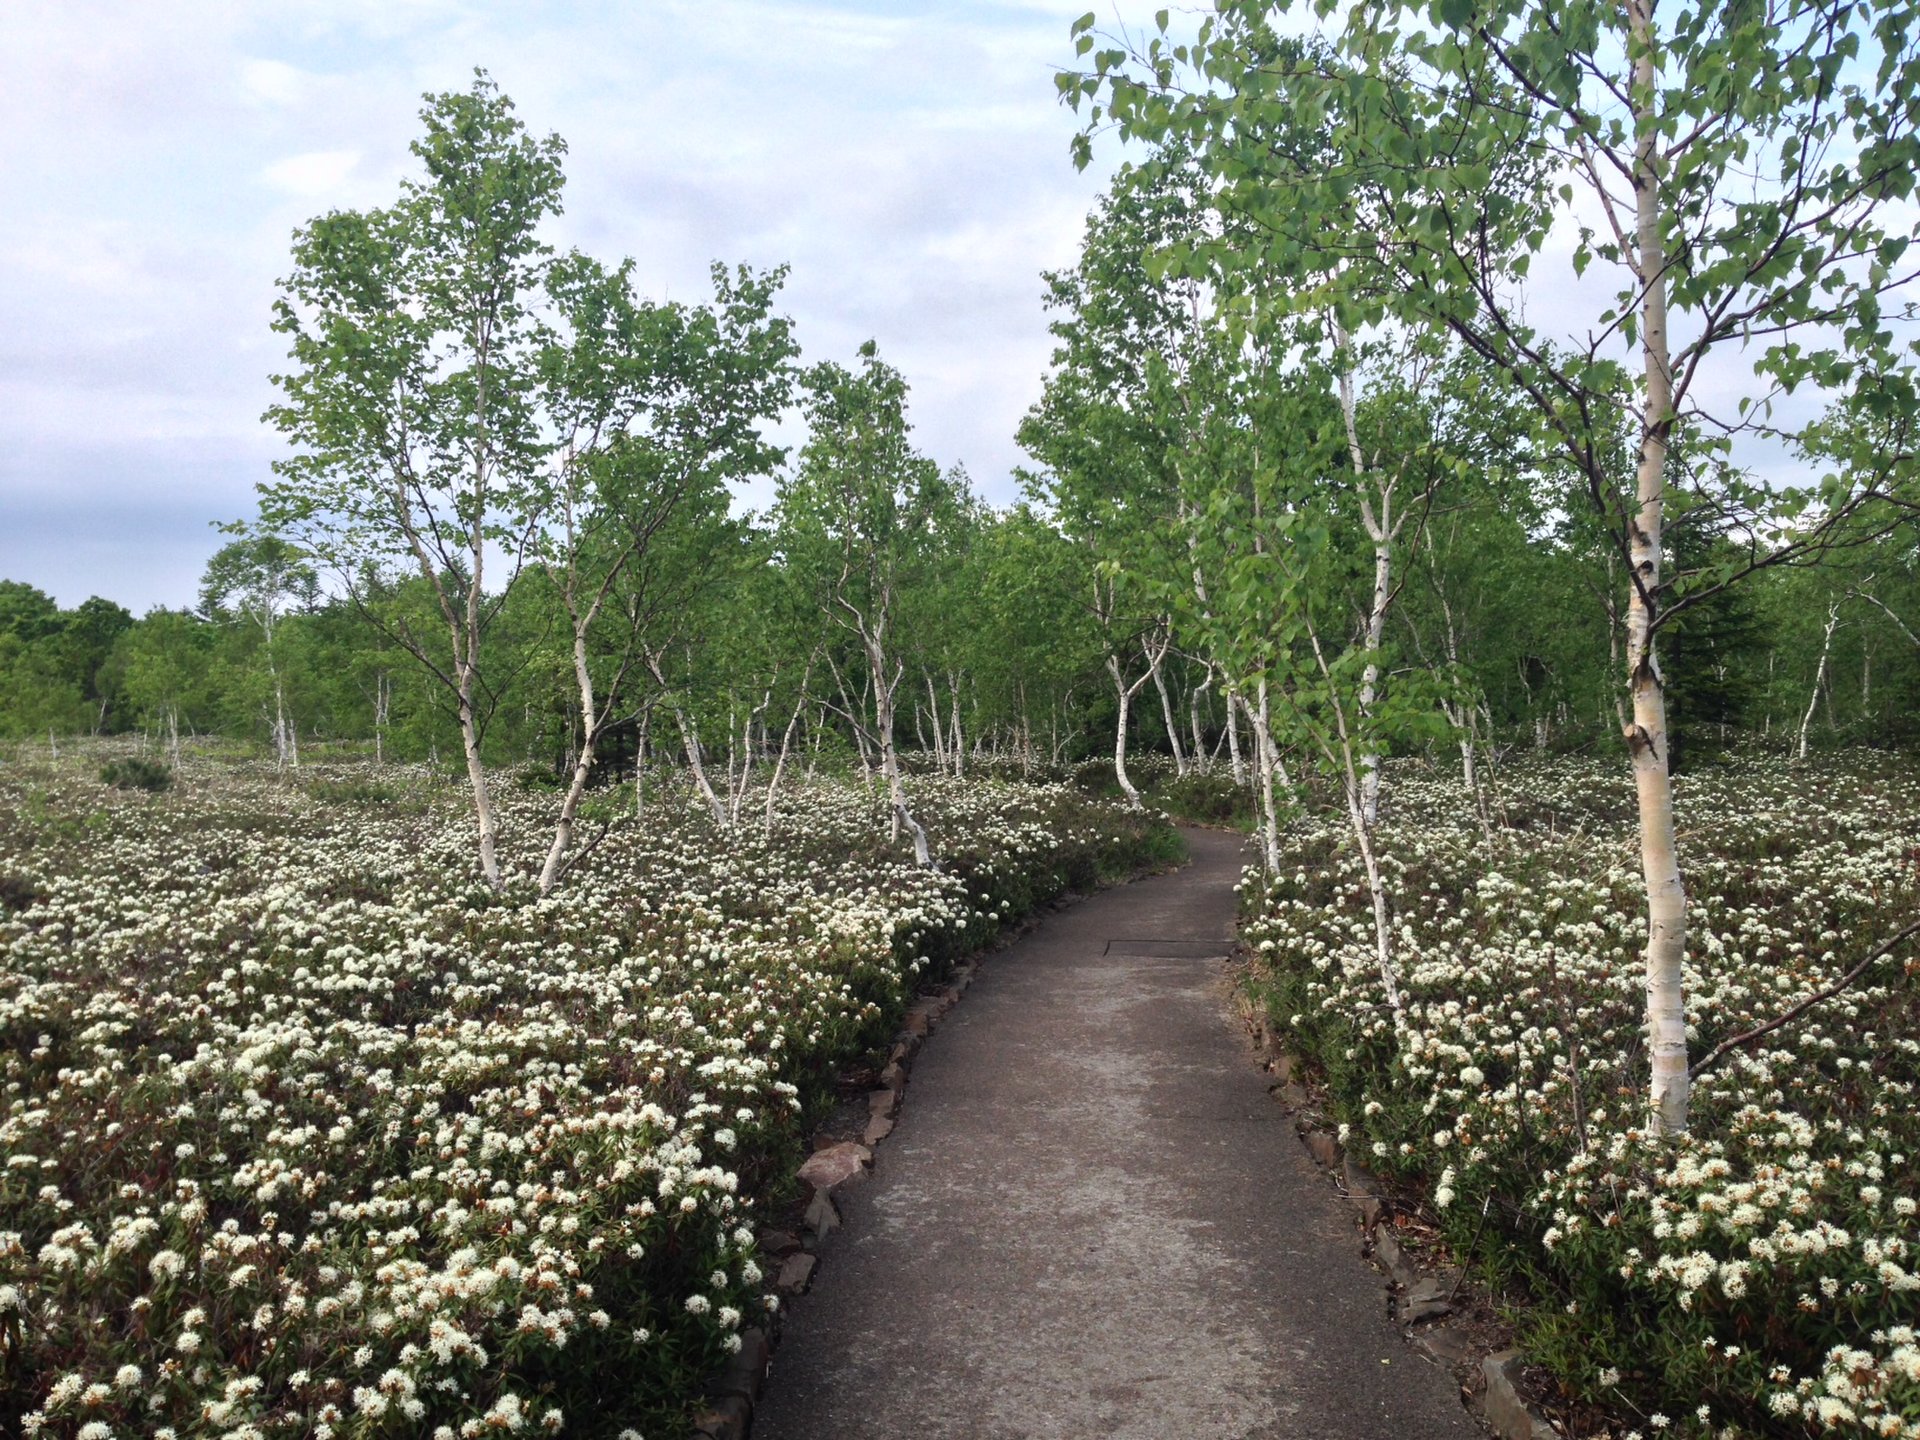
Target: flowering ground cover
<point>309,1133</point>
<point>1761,1277</point>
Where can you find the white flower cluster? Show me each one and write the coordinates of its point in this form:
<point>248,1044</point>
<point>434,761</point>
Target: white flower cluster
<point>305,1132</point>
<point>1786,1222</point>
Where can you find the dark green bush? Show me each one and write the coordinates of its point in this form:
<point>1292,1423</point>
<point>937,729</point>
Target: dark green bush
<point>133,773</point>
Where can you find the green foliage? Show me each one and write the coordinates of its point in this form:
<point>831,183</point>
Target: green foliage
<point>133,773</point>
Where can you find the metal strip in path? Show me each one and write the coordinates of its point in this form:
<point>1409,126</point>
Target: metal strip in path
<point>1092,1221</point>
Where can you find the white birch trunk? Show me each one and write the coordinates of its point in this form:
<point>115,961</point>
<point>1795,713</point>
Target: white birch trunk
<point>1349,755</point>
<point>640,764</point>
<point>582,766</point>
<point>382,698</point>
<point>1265,759</point>
<point>1819,678</point>
<point>1647,738</point>
<point>1125,698</point>
<point>1173,730</point>
<point>1381,534</point>
<point>477,779</point>
<point>1234,758</point>
<point>1201,759</point>
<point>690,741</point>
<point>786,748</point>
<point>959,735</point>
<point>883,692</point>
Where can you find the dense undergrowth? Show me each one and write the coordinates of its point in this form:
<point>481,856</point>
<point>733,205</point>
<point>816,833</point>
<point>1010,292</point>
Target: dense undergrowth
<point>308,1133</point>
<point>1757,1279</point>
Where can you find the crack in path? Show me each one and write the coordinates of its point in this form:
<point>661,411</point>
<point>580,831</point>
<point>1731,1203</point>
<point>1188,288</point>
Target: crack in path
<point>1092,1220</point>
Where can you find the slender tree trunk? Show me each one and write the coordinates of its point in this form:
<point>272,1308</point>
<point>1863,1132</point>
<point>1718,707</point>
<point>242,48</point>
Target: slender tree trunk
<point>959,736</point>
<point>739,796</point>
<point>690,742</point>
<point>382,697</point>
<point>590,721</point>
<point>1200,759</point>
<point>1647,738</point>
<point>640,764</point>
<point>1350,758</point>
<point>1266,761</point>
<point>1125,699</point>
<point>1819,678</point>
<point>883,692</point>
<point>1173,730</point>
<point>1381,530</point>
<point>477,778</point>
<point>1234,757</point>
<point>856,725</point>
<point>786,747</point>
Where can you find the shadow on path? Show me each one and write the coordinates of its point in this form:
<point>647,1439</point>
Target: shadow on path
<point>1092,1220</point>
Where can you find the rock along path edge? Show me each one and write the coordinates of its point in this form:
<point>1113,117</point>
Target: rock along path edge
<point>1093,1221</point>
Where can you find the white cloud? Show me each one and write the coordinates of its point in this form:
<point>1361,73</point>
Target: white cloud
<point>274,81</point>
<point>314,175</point>
<point>910,163</point>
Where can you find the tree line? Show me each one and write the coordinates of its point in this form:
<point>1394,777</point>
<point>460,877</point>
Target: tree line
<point>1309,488</point>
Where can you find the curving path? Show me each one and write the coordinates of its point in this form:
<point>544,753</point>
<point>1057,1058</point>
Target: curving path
<point>1092,1220</point>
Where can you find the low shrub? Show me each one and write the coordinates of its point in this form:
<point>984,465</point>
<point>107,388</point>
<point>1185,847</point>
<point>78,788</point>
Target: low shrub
<point>132,773</point>
<point>1760,1277</point>
<point>314,1133</point>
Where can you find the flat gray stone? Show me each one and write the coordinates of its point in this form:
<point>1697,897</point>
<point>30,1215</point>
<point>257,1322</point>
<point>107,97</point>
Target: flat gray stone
<point>1447,1345</point>
<point>1093,1223</point>
<point>1393,1260</point>
<point>796,1271</point>
<point>823,1216</point>
<point>1427,1299</point>
<point>747,1371</point>
<point>727,1420</point>
<point>1364,1190</point>
<point>1507,1414</point>
<point>1323,1147</point>
<point>835,1165</point>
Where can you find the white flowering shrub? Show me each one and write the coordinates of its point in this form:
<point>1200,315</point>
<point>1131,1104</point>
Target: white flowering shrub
<point>1761,1277</point>
<point>307,1133</point>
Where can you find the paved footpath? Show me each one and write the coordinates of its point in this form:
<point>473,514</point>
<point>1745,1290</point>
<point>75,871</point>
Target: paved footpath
<point>1093,1221</point>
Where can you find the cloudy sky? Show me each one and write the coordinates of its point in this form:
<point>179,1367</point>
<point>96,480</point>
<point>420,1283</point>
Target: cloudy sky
<point>908,159</point>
